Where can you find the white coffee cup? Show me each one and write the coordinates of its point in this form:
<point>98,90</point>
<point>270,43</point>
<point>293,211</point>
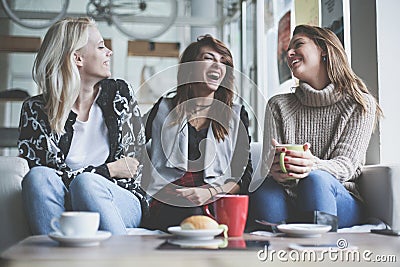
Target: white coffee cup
<point>76,223</point>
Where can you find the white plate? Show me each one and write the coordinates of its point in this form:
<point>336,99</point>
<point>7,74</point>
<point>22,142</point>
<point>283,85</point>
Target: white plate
<point>80,241</point>
<point>205,234</point>
<point>196,243</point>
<point>303,229</point>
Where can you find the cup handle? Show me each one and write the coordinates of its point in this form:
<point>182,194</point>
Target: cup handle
<point>282,162</point>
<point>53,224</point>
<point>208,213</point>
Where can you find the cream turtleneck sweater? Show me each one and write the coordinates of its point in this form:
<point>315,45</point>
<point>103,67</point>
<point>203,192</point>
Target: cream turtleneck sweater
<point>335,125</point>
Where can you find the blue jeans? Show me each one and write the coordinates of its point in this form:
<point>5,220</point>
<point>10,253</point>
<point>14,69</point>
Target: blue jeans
<point>319,191</point>
<point>45,196</point>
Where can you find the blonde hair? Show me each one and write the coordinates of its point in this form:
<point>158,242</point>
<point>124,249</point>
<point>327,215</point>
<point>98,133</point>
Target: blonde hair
<point>54,70</point>
<point>339,70</point>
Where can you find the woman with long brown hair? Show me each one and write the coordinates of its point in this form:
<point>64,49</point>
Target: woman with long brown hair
<point>199,137</point>
<point>333,114</point>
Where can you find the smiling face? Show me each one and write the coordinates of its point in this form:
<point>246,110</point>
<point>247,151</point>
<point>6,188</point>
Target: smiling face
<point>93,59</point>
<point>305,59</point>
<point>210,68</point>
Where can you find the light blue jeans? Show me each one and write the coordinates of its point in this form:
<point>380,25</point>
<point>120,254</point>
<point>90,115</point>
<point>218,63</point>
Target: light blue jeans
<point>45,196</point>
<point>319,191</point>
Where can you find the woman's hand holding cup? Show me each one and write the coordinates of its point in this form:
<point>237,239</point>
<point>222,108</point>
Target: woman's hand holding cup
<point>291,161</point>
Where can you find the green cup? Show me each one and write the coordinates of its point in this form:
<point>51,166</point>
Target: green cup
<point>283,154</point>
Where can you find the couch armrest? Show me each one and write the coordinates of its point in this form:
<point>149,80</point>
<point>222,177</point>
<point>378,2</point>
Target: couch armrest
<point>256,153</point>
<point>380,187</point>
<point>13,224</point>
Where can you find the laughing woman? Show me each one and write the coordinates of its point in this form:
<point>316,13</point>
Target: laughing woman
<point>199,137</point>
<point>333,114</point>
<point>74,134</point>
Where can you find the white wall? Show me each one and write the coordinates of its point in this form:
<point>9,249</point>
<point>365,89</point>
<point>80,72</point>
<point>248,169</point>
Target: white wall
<point>388,43</point>
<point>364,57</point>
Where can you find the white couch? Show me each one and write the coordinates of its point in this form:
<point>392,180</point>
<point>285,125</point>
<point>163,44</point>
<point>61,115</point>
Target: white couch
<point>380,186</point>
<point>13,224</point>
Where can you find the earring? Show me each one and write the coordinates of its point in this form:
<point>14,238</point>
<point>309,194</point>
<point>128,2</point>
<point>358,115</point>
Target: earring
<point>324,58</point>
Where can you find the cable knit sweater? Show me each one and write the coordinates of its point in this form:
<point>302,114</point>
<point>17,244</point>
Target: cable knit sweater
<point>336,126</point>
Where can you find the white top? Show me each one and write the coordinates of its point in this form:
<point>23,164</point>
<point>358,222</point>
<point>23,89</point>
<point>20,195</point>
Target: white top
<point>89,144</point>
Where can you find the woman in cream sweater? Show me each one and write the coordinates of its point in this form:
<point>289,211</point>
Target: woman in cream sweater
<point>333,114</point>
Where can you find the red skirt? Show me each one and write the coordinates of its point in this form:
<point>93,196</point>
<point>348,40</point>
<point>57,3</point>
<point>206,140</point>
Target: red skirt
<point>167,194</point>
<point>167,209</point>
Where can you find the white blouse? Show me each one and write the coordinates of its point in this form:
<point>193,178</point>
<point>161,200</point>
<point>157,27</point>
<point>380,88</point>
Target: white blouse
<point>89,144</point>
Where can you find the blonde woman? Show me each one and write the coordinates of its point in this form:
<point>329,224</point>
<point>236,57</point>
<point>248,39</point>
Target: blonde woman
<point>76,134</point>
<point>333,114</point>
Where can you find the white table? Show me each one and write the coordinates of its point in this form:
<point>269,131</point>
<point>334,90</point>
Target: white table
<point>143,251</point>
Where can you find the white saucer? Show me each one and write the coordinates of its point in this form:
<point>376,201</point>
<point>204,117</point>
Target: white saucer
<point>196,243</point>
<point>304,229</point>
<point>70,241</point>
<point>205,234</point>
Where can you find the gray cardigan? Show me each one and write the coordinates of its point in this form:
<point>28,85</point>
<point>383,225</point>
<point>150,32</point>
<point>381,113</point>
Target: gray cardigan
<point>169,150</point>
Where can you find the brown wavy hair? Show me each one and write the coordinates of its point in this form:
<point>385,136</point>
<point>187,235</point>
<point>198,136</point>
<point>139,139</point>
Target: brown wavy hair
<point>339,70</point>
<point>224,93</point>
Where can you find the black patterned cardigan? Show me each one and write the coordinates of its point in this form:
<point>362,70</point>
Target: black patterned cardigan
<point>42,147</point>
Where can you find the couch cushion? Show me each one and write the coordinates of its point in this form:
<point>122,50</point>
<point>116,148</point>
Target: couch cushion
<point>13,225</point>
<point>380,188</point>
<point>256,151</point>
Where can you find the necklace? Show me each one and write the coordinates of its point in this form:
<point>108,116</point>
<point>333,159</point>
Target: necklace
<point>209,105</point>
<point>199,123</point>
<point>196,121</point>
<point>200,108</point>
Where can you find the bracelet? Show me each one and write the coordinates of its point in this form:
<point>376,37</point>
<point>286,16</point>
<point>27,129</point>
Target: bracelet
<point>216,191</point>
<point>222,190</point>
<point>209,189</point>
<point>127,166</point>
